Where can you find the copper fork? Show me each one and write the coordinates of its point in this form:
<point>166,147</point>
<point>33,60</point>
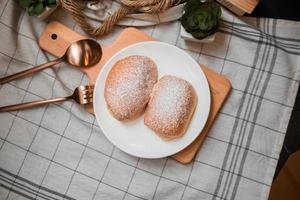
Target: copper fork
<point>81,95</point>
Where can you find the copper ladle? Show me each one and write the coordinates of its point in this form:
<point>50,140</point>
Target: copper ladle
<point>83,53</point>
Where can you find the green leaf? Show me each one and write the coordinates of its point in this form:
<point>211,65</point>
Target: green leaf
<point>201,19</point>
<point>24,3</point>
<point>51,2</point>
<point>31,10</point>
<point>202,34</point>
<point>192,4</point>
<point>38,8</point>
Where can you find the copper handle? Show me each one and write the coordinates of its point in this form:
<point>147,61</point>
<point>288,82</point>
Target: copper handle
<point>29,71</point>
<point>32,104</point>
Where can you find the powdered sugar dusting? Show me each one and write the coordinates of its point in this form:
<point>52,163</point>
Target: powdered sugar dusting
<point>128,86</point>
<point>170,106</point>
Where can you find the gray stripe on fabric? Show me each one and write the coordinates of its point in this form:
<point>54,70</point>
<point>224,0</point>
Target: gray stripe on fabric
<point>225,160</point>
<point>24,188</point>
<point>254,35</point>
<point>34,184</point>
<point>17,192</point>
<point>249,107</point>
<point>241,133</point>
<point>257,29</point>
<point>258,41</point>
<point>255,116</point>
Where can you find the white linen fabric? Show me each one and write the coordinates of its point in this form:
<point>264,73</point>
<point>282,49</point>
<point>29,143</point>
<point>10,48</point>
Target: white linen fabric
<point>59,152</point>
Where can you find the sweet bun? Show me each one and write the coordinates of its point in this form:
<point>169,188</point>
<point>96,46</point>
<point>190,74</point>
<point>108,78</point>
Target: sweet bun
<point>171,107</point>
<point>128,86</point>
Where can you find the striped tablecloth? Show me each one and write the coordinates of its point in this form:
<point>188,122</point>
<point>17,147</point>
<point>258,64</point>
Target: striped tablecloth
<point>59,152</point>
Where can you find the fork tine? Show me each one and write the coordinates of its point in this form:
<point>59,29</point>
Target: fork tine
<point>88,89</point>
<point>88,92</point>
<point>88,95</point>
<point>84,94</point>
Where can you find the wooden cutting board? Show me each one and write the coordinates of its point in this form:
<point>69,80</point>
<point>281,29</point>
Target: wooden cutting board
<point>56,38</point>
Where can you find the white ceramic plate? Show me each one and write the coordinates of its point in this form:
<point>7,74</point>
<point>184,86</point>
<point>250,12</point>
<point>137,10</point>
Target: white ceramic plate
<point>134,137</point>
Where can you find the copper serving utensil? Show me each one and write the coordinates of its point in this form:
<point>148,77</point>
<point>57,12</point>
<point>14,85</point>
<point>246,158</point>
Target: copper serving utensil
<point>83,53</point>
<point>81,95</point>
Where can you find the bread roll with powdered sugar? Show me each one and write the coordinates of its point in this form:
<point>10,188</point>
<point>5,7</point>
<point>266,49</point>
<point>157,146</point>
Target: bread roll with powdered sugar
<point>171,107</point>
<point>128,86</point>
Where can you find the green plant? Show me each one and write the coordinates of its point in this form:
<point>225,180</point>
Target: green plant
<point>201,19</point>
<point>36,7</point>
